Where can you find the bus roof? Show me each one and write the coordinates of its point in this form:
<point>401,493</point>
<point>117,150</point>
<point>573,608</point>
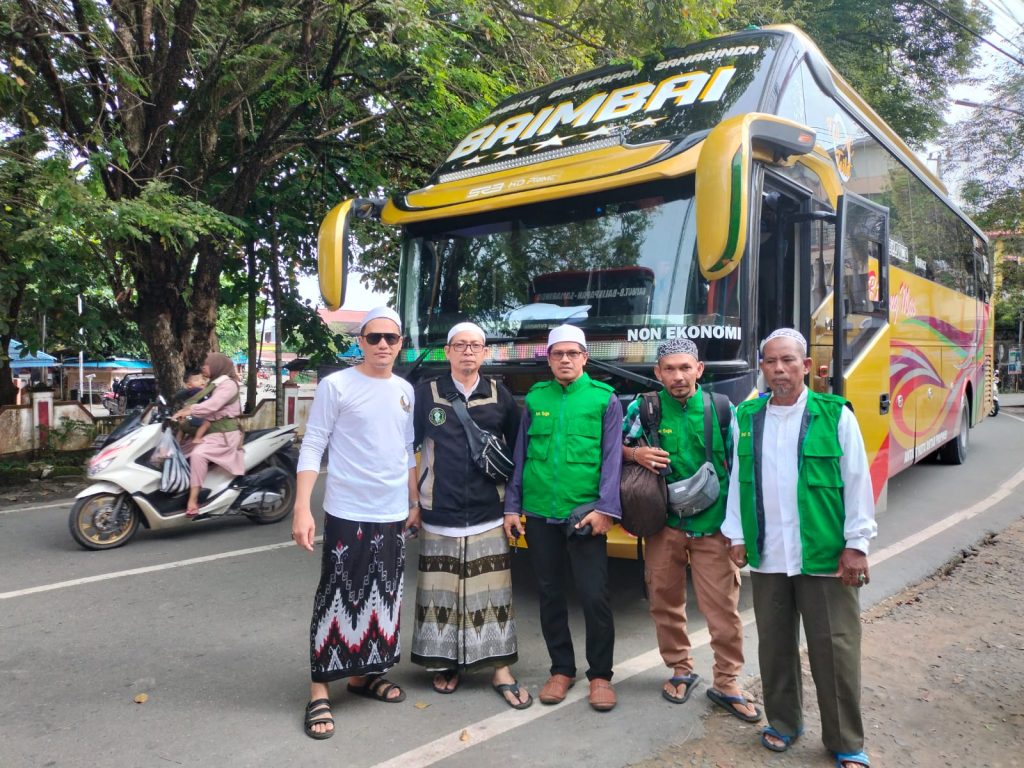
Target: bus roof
<point>623,124</point>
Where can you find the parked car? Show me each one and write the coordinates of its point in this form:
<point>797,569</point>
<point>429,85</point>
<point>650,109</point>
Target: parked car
<point>134,390</point>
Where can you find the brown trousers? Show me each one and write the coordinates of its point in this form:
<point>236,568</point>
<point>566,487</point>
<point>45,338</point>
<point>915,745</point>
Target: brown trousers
<point>716,584</point>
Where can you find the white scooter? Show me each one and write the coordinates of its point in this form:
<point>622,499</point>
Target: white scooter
<point>126,492</point>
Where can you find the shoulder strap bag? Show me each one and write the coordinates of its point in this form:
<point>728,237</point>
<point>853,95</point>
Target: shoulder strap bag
<point>488,451</point>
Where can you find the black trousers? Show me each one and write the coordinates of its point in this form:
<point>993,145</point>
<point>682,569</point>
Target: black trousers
<point>588,557</point>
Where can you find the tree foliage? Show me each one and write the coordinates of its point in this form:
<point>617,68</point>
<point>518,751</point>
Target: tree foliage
<point>902,57</point>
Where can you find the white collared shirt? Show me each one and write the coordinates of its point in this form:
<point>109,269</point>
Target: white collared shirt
<point>783,552</point>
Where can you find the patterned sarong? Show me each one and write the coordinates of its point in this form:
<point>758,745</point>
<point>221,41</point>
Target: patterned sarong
<point>464,602</point>
<point>356,610</point>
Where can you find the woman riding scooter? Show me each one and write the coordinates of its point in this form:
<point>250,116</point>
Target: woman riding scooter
<point>222,445</point>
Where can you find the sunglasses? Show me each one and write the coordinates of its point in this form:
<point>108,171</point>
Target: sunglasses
<point>375,338</point>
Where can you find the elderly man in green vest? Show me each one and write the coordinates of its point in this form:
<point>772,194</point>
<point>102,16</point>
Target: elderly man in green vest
<point>568,463</point>
<point>801,511</point>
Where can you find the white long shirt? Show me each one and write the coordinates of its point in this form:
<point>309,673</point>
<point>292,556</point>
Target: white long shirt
<point>367,422</point>
<point>783,552</point>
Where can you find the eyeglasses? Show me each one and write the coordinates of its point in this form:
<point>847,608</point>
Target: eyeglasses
<point>461,346</point>
<point>374,338</point>
<point>572,354</point>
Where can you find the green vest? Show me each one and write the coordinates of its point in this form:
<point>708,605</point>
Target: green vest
<point>563,449</point>
<point>819,494</point>
<point>681,433</point>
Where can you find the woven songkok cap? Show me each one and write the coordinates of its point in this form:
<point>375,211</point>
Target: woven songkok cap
<point>566,333</point>
<point>460,327</point>
<point>378,312</point>
<point>678,347</point>
<point>788,333</point>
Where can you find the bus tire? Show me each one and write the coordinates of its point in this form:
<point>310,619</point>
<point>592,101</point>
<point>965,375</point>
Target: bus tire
<point>955,451</point>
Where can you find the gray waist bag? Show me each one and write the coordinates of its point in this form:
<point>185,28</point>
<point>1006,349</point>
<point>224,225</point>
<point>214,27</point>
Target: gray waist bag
<point>694,494</point>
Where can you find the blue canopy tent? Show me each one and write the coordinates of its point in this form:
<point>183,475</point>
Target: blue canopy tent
<point>38,360</point>
<point>115,363</point>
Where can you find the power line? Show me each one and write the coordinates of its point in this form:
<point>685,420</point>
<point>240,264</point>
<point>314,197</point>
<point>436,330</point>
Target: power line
<point>972,32</point>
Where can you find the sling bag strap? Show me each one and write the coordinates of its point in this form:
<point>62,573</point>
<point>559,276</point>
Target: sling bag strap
<point>473,434</point>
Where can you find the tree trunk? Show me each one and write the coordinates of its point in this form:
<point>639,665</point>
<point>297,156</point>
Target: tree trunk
<point>251,377</point>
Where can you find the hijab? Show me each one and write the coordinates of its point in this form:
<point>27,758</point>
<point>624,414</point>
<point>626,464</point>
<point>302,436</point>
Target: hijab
<point>221,365</point>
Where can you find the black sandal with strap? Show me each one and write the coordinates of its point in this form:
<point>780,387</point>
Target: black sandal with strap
<point>318,712</point>
<point>378,688</point>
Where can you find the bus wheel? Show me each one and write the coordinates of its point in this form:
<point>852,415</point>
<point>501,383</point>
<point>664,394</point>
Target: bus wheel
<point>955,451</point>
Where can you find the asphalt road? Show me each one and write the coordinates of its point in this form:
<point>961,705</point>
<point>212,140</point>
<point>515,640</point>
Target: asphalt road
<point>212,624</point>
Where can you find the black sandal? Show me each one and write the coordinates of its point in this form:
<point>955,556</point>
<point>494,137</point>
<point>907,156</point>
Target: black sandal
<point>378,688</point>
<point>317,713</point>
<point>447,675</point>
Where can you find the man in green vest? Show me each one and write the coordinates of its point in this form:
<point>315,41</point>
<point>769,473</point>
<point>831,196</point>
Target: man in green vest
<point>697,540</point>
<point>568,463</point>
<point>801,512</point>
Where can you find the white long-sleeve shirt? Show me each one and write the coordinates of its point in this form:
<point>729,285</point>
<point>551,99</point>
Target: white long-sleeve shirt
<point>783,552</point>
<point>367,422</point>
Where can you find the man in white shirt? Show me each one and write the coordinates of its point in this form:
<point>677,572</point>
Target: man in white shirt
<point>365,415</point>
<point>801,512</point>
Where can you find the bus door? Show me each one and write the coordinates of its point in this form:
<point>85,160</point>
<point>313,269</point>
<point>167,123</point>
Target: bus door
<point>861,333</point>
<point>784,278</point>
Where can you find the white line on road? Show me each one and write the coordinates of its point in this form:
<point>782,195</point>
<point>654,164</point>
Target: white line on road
<point>476,733</point>
<point>147,569</point>
<point>1011,416</point>
<point>8,510</point>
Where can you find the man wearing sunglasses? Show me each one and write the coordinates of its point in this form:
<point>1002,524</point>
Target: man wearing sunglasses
<point>568,463</point>
<point>365,415</point>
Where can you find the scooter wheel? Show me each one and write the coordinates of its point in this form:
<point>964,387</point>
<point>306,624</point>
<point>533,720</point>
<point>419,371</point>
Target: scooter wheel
<point>104,521</point>
<point>995,409</point>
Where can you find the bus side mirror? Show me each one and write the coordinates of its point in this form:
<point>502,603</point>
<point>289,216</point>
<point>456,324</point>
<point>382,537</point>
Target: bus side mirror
<point>332,246</point>
<point>723,182</point>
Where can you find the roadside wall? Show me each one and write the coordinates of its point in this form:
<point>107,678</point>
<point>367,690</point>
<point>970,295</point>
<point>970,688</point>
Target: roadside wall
<point>70,426</point>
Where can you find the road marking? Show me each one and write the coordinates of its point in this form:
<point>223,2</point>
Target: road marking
<point>1011,416</point>
<point>935,529</point>
<point>8,510</point>
<point>476,733</point>
<point>147,569</point>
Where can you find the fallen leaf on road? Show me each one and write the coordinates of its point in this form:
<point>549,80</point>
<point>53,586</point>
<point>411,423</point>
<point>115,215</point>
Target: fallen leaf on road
<point>464,736</point>
<point>421,705</point>
<point>141,698</point>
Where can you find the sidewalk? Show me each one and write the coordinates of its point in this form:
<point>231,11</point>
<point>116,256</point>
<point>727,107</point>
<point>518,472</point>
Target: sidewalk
<point>943,677</point>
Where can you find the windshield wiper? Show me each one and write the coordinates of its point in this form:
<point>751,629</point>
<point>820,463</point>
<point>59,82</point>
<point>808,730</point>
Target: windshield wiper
<point>625,373</point>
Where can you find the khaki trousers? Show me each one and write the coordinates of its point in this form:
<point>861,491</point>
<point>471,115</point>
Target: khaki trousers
<point>716,584</point>
<point>831,618</point>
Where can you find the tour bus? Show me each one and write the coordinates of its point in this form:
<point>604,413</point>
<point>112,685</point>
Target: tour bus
<point>720,191</point>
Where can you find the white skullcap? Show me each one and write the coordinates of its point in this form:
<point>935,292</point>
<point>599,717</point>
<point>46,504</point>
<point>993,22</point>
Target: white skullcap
<point>787,333</point>
<point>460,327</point>
<point>378,312</point>
<point>566,333</point>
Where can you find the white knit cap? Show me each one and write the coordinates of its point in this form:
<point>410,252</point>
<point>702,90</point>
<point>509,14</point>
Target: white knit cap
<point>460,327</point>
<point>378,312</point>
<point>787,333</point>
<point>566,333</point>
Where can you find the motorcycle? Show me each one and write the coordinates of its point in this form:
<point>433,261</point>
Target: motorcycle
<point>126,495</point>
<point>995,397</point>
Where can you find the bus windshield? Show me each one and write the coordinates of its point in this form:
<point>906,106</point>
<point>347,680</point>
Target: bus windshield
<point>621,265</point>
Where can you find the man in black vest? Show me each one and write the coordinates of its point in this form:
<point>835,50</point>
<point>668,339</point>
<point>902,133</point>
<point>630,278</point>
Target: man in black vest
<point>464,615</point>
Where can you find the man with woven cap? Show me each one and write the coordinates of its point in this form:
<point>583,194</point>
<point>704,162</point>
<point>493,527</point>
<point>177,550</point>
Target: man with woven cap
<point>364,414</point>
<point>464,619</point>
<point>801,511</point>
<point>568,460</point>
<point>697,540</point>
